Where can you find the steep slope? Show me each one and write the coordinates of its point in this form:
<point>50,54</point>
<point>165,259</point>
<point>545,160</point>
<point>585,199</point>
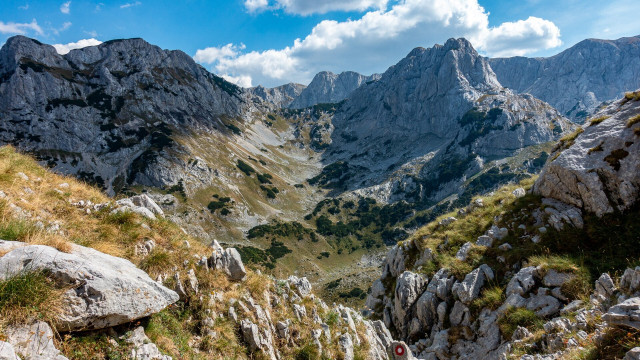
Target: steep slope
<point>579,79</point>
<point>280,96</point>
<point>431,122</point>
<point>327,87</point>
<point>517,273</point>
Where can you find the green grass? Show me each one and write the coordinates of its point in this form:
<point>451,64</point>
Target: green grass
<point>16,230</point>
<point>491,298</point>
<point>157,261</point>
<point>27,296</point>
<point>614,345</point>
<point>307,352</point>
<point>515,317</point>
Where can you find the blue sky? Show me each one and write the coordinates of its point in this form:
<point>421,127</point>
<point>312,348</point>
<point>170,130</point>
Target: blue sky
<point>254,42</point>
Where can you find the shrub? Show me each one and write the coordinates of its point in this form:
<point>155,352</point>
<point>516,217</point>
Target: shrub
<point>245,168</point>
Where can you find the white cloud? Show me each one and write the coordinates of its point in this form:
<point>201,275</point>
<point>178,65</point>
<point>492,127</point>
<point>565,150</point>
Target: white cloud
<point>20,28</point>
<point>65,8</point>
<point>128,5</point>
<point>65,48</point>
<point>308,7</point>
<point>214,54</point>
<point>242,80</point>
<point>92,33</point>
<point>256,5</point>
<point>24,7</point>
<point>380,38</point>
<point>521,37</point>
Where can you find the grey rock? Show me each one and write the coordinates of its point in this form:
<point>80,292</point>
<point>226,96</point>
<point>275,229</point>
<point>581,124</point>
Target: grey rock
<point>302,285</point>
<point>630,280</point>
<point>33,342</point>
<point>484,240</point>
<point>280,96</point>
<point>604,287</point>
<point>469,289</point>
<point>345,344</point>
<point>578,79</point>
<point>107,291</point>
<point>633,354</point>
<point>398,350</point>
<point>327,87</point>
<point>554,278</point>
<point>572,306</point>
<point>459,314</point>
<point>463,252</point>
<point>598,181</point>
<point>519,192</point>
<point>425,257</point>
<point>523,281</point>
<point>626,314</point>
<point>7,352</point>
<point>543,305</point>
<point>520,333</point>
<point>409,287</point>
<point>143,348</point>
<point>300,311</point>
<point>505,247</point>
<point>227,260</point>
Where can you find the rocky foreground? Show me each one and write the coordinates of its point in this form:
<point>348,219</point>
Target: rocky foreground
<point>520,289</point>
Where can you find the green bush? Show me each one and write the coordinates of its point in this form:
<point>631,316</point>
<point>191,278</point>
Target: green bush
<point>245,168</point>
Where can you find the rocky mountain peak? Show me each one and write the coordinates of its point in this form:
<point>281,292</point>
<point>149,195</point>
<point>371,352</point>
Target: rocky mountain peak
<point>327,87</point>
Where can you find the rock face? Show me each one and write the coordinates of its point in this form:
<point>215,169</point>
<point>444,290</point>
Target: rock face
<point>33,342</point>
<point>598,172</point>
<point>578,79</point>
<point>108,112</point>
<point>281,96</point>
<point>327,87</point>
<point>106,291</point>
<point>441,105</point>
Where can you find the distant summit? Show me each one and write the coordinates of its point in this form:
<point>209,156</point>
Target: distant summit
<point>327,87</point>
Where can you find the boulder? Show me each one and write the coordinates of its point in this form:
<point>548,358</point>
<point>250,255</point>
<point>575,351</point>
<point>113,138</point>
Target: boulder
<point>601,181</point>
<point>143,348</point>
<point>519,192</point>
<point>542,304</point>
<point>633,354</point>
<point>630,280</point>
<point>33,342</point>
<point>626,314</point>
<point>463,253</point>
<point>227,260</point>
<point>398,350</point>
<point>7,352</point>
<point>105,291</point>
<point>523,281</point>
<point>302,285</point>
<point>409,287</point>
<point>469,289</point>
<point>484,240</point>
<point>554,278</point>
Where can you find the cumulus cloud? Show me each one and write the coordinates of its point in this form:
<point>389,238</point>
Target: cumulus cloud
<point>20,28</point>
<point>521,37</point>
<point>380,38</point>
<point>65,8</point>
<point>308,7</point>
<point>214,54</point>
<point>65,48</point>
<point>242,81</point>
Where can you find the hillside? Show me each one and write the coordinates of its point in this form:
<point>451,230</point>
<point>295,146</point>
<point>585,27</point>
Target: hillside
<point>547,268</point>
<point>64,266</point>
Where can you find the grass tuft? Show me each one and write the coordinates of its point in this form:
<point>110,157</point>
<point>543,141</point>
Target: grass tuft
<point>633,120</point>
<point>515,317</point>
<point>598,120</point>
<point>28,296</point>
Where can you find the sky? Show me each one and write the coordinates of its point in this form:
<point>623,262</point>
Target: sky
<point>273,42</point>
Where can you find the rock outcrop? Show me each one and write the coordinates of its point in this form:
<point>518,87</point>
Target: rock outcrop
<point>280,96</point>
<point>598,170</point>
<point>579,79</point>
<point>32,342</point>
<point>327,87</point>
<point>105,291</point>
